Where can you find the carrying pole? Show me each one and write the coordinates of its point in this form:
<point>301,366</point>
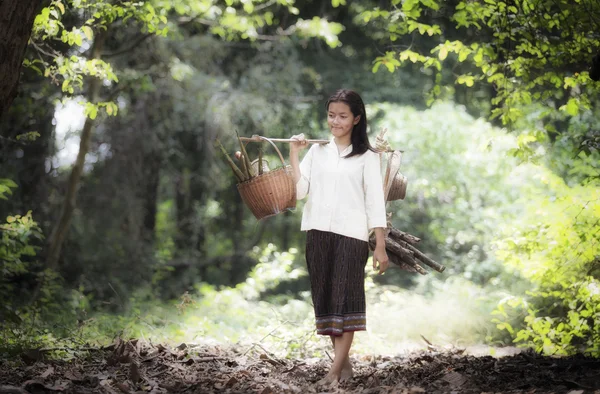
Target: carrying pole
<point>257,138</point>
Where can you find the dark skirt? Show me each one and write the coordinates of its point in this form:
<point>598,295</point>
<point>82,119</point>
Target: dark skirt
<point>336,267</point>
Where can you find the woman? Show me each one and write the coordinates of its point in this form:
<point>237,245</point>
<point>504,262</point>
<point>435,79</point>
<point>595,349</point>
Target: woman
<point>345,201</point>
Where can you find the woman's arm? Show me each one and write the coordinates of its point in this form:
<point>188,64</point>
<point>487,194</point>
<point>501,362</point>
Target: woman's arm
<point>379,254</point>
<point>375,208</point>
<point>301,171</point>
<point>296,147</point>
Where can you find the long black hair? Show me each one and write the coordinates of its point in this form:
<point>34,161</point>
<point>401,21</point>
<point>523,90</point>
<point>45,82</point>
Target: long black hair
<point>359,138</point>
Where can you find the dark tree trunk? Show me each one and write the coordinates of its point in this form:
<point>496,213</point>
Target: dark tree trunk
<point>33,183</point>
<point>150,197</point>
<point>59,233</point>
<point>16,22</point>
<point>25,161</point>
<point>183,199</point>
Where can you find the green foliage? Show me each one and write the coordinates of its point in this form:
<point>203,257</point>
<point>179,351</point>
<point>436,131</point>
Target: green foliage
<point>249,315</point>
<point>453,312</point>
<point>461,186</point>
<point>273,268</point>
<point>229,315</point>
<point>29,136</point>
<point>5,187</point>
<point>320,28</point>
<point>464,177</point>
<point>16,248</point>
<point>486,211</point>
<point>528,51</point>
<point>233,20</point>
<point>70,70</point>
<point>165,248</point>
<point>555,245</point>
<point>30,293</point>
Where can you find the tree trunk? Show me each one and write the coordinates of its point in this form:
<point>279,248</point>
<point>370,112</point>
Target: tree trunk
<point>62,228</point>
<point>150,198</point>
<point>185,215</point>
<point>16,22</point>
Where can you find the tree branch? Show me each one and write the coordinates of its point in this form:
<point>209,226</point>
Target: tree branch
<point>121,51</point>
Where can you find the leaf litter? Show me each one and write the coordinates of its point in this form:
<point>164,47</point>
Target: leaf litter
<point>134,366</point>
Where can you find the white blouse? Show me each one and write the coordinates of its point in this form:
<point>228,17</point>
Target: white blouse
<point>345,196</point>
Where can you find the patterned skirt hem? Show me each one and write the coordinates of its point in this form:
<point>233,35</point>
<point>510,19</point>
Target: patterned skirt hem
<point>337,333</point>
<point>336,325</point>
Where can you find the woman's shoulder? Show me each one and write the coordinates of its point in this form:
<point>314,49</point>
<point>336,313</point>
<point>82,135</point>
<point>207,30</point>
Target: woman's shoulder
<point>369,154</point>
<point>320,147</point>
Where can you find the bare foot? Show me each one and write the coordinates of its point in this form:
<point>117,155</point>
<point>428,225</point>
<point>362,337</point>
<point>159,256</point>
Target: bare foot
<point>347,372</point>
<point>329,380</point>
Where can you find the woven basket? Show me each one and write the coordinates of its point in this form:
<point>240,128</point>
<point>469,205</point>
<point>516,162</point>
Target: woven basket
<point>272,192</point>
<point>394,182</point>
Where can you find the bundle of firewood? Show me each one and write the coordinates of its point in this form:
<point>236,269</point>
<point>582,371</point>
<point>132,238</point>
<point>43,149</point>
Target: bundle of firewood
<point>401,250</point>
<point>399,245</point>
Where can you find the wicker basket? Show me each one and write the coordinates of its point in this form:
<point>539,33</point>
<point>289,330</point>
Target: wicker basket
<point>394,182</point>
<point>272,192</point>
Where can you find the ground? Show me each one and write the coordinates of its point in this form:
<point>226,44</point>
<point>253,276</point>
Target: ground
<point>138,367</point>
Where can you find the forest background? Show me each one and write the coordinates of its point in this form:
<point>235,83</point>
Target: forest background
<point>121,217</point>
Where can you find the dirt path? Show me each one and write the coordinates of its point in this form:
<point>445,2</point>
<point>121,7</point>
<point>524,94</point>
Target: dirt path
<point>133,367</point>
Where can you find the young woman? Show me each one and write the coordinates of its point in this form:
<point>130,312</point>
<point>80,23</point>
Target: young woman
<point>345,201</point>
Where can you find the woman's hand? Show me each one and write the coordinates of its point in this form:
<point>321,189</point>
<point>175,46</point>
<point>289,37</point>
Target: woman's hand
<point>380,256</point>
<point>299,143</point>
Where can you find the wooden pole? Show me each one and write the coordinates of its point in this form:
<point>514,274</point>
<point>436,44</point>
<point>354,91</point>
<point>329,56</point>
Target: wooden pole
<point>256,138</point>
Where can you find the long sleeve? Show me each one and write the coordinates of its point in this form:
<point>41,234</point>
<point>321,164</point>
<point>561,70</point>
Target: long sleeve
<point>373,187</point>
<point>303,185</point>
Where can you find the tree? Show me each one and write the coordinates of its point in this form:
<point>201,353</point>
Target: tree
<point>104,15</point>
<point>15,29</point>
<point>235,20</point>
<point>534,54</point>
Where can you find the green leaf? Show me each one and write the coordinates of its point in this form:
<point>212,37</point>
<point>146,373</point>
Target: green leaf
<point>90,110</point>
<point>89,34</point>
<point>61,7</point>
<point>8,182</point>
<point>572,107</point>
<point>443,53</point>
<point>249,7</point>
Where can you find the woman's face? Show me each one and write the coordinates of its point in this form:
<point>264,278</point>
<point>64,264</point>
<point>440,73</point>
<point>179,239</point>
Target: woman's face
<point>341,120</point>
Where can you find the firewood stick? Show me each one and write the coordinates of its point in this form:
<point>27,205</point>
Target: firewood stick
<point>413,263</point>
<point>405,255</point>
<point>391,245</point>
<point>401,254</point>
<point>433,264</point>
<point>402,265</point>
<point>395,247</point>
<point>245,158</point>
<point>239,175</point>
<point>397,234</point>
